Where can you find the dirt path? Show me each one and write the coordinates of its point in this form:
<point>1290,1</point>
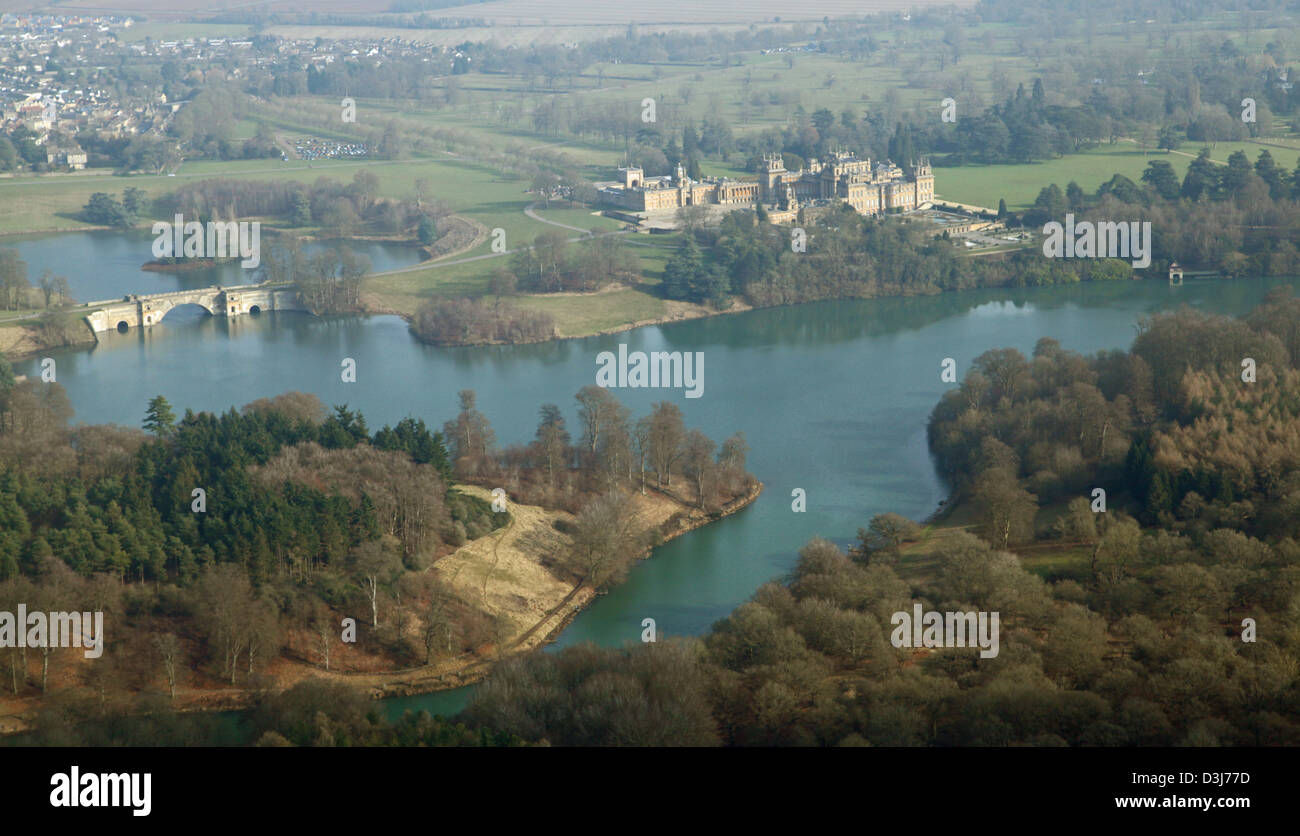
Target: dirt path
<point>445,262</point>
<point>532,214</point>
<point>282,142</point>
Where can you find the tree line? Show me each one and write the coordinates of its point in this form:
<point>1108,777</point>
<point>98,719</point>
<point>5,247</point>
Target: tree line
<point>850,256</point>
<point>338,208</point>
<point>1238,218</point>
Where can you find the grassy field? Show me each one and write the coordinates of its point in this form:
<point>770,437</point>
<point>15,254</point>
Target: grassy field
<point>593,313</point>
<point>52,201</point>
<point>1020,184</point>
<point>505,13</point>
<point>575,314</point>
<point>581,218</point>
<point>698,12</point>
<point>181,31</point>
<point>763,90</point>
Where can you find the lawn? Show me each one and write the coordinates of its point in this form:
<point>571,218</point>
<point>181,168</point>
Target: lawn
<point>44,202</point>
<point>581,218</point>
<point>575,314</point>
<point>1019,184</point>
<point>592,313</point>
<point>983,185</point>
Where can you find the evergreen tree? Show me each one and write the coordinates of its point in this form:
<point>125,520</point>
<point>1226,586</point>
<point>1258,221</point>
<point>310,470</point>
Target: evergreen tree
<point>1271,174</point>
<point>6,375</point>
<point>682,272</point>
<point>427,231</point>
<point>1161,176</point>
<point>1167,138</point>
<point>1236,175</point>
<point>1202,178</point>
<point>159,418</point>
<point>300,213</point>
<point>1074,196</point>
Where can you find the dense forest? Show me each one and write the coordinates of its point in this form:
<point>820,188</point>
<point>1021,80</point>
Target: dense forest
<point>216,545</point>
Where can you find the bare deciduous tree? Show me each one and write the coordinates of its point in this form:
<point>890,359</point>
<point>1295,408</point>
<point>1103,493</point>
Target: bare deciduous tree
<point>666,438</point>
<point>168,648</point>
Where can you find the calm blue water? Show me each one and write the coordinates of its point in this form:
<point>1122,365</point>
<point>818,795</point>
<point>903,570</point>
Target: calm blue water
<point>832,397</point>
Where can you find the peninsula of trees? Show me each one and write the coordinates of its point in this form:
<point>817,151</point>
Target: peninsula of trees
<point>225,549</point>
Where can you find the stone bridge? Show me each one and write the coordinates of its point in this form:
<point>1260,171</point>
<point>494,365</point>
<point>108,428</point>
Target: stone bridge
<point>144,311</point>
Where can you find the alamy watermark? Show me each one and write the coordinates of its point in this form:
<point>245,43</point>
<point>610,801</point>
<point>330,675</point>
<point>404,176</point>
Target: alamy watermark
<point>1104,239</point>
<point>103,789</point>
<point>655,370</point>
<point>53,629</point>
<point>215,239</point>
<point>946,629</point>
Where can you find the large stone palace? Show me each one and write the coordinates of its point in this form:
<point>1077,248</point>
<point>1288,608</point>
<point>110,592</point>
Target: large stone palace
<point>841,177</point>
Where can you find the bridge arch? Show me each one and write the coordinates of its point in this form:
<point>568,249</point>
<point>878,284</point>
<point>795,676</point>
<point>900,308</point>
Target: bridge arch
<point>153,317</point>
<point>145,311</point>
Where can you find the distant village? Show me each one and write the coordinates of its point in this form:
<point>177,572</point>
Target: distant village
<point>58,81</point>
<point>36,101</point>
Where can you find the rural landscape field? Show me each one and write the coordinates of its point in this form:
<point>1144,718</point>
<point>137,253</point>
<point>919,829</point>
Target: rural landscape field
<point>527,374</point>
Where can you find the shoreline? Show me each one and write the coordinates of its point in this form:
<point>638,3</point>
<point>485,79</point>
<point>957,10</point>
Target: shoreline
<point>692,312</point>
<point>738,306</point>
<point>435,678</point>
<point>371,307</point>
<point>22,342</point>
<point>427,679</point>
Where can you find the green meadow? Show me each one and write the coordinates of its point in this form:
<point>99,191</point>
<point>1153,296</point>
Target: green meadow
<point>1019,184</point>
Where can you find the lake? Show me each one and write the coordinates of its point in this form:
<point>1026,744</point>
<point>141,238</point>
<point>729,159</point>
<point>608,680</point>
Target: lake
<point>105,264</point>
<point>832,397</point>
